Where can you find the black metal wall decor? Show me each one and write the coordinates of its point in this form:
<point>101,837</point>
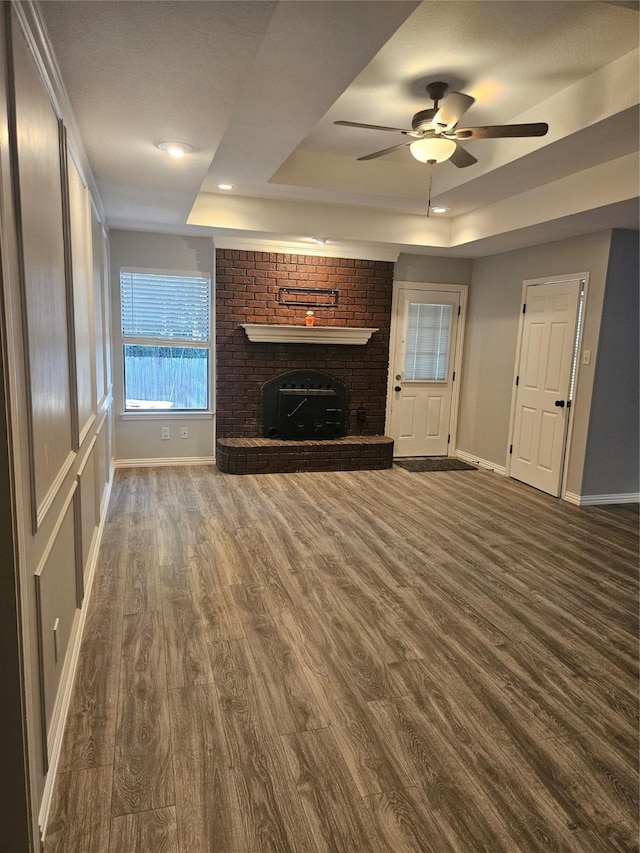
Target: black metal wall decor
<point>318,297</point>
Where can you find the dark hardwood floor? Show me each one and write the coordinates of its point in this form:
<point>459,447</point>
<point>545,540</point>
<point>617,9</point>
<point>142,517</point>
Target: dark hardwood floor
<point>367,661</point>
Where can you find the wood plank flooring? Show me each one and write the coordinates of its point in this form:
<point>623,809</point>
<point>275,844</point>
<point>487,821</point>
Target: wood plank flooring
<point>345,662</point>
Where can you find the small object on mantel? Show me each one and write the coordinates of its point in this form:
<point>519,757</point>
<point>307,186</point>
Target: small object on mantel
<point>309,318</point>
<point>282,333</point>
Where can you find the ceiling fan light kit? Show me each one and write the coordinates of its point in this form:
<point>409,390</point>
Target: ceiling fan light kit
<point>434,132</point>
<point>433,150</point>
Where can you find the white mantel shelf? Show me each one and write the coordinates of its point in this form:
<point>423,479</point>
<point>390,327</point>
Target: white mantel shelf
<point>281,333</point>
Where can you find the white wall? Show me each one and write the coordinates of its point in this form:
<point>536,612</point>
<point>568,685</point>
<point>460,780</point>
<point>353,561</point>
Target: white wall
<point>490,343</point>
<point>138,437</point>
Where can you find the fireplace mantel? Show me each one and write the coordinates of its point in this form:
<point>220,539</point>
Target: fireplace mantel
<point>281,333</point>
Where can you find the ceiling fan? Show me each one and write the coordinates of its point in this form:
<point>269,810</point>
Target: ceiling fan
<point>435,134</point>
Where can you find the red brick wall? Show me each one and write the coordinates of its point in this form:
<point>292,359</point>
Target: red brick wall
<point>247,289</point>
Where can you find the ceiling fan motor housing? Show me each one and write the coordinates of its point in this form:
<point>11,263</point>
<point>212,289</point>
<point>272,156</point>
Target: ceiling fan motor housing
<point>423,120</point>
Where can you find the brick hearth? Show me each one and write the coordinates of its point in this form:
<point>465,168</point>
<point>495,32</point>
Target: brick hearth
<point>274,456</point>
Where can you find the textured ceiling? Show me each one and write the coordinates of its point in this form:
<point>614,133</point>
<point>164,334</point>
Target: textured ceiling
<point>256,86</point>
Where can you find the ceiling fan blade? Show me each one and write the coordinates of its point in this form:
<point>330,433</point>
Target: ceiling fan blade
<point>462,158</point>
<point>454,106</point>
<point>372,126</point>
<point>383,152</point>
<point>500,131</point>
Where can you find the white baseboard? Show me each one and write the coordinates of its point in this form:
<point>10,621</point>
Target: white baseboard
<point>67,677</point>
<point>599,500</point>
<point>481,463</point>
<point>156,463</point>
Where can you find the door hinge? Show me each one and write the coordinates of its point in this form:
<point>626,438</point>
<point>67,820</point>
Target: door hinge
<point>510,449</point>
<point>517,380</point>
<point>453,378</point>
<point>448,439</point>
<point>458,310</point>
<point>524,308</point>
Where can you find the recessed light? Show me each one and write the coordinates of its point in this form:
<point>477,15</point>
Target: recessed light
<point>175,149</point>
<point>226,186</point>
<point>321,240</point>
<point>439,210</point>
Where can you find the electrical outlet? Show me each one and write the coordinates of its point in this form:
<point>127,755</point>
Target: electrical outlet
<point>166,432</point>
<point>184,432</point>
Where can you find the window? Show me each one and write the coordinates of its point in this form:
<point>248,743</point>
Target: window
<point>428,333</point>
<point>166,340</point>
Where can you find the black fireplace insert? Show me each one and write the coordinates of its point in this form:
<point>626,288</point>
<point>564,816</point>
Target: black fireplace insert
<point>304,404</point>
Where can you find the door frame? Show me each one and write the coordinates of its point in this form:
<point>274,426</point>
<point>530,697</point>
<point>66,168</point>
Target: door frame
<point>566,454</point>
<point>429,287</point>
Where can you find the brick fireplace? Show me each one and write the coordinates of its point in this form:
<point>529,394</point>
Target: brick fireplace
<point>270,288</point>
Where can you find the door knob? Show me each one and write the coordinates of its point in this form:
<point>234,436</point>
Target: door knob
<point>559,404</point>
<point>397,388</point>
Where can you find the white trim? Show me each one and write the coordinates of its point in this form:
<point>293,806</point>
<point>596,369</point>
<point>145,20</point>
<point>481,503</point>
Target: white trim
<point>120,341</point>
<point>597,500</point>
<point>161,414</point>
<point>481,463</point>
<point>67,678</point>
<point>87,454</point>
<point>282,333</point>
<point>584,278</point>
<point>40,569</point>
<point>157,463</point>
<point>86,429</point>
<point>329,250</point>
<point>462,290</point>
<point>54,488</point>
<point>165,272</point>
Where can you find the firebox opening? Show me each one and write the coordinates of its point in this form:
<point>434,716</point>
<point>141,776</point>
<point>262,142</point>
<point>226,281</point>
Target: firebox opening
<point>304,404</point>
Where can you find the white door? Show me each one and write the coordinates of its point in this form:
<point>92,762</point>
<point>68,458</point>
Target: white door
<point>543,383</point>
<point>422,371</point>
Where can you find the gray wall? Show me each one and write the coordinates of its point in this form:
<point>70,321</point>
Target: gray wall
<point>612,463</point>
<point>14,801</point>
<point>431,269</point>
<point>491,337</point>
<point>138,437</point>
<point>55,463</point>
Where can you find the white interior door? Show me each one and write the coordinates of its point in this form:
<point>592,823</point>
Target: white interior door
<point>544,379</point>
<point>422,371</point>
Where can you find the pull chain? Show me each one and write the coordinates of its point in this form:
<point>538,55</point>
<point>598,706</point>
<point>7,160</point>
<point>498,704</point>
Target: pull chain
<point>430,163</point>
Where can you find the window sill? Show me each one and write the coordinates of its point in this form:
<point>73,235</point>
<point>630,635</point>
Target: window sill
<point>167,414</point>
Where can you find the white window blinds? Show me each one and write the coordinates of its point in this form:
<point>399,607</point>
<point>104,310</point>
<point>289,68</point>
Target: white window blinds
<point>165,307</point>
<point>428,334</point>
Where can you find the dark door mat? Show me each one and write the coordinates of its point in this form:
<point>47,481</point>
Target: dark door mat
<point>420,464</point>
